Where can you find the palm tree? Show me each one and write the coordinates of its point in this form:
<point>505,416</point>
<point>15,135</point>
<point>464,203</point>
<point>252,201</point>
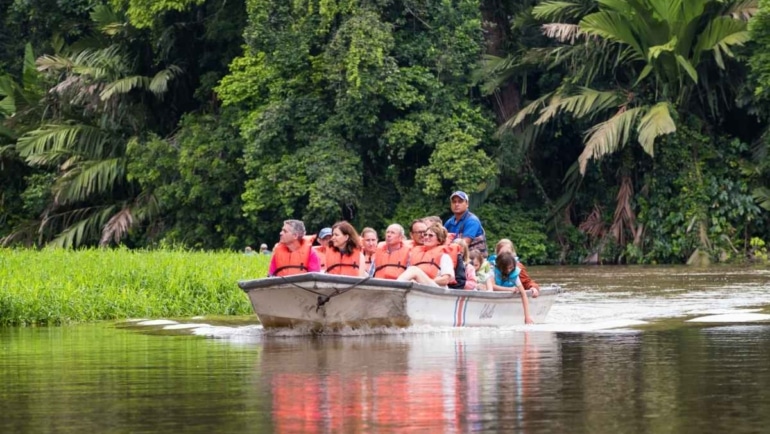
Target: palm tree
<point>632,66</point>
<point>97,112</point>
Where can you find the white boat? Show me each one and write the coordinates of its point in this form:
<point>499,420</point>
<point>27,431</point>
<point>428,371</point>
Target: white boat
<point>323,301</point>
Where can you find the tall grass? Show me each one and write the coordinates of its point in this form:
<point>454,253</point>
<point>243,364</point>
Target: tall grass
<point>55,286</point>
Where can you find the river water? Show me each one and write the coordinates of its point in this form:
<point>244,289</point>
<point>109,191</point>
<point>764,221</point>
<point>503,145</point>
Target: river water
<point>624,350</point>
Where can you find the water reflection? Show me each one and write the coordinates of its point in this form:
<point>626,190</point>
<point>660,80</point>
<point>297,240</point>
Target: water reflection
<point>432,383</point>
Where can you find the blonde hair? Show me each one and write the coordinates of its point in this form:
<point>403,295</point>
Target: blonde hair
<point>463,249</point>
<point>505,242</point>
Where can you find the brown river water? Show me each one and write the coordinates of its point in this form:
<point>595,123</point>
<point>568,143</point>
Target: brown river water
<point>623,350</point>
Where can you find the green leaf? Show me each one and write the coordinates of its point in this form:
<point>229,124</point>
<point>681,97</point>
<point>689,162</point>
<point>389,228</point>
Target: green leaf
<point>687,67</point>
<point>606,137</point>
<point>655,123</point>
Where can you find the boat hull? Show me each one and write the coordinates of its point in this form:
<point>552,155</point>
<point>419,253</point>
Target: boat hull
<point>321,301</point>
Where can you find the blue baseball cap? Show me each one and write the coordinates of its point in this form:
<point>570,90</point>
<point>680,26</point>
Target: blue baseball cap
<point>460,194</point>
<point>325,232</point>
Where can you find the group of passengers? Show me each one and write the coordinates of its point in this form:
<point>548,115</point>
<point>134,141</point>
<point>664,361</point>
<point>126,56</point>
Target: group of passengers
<point>452,254</point>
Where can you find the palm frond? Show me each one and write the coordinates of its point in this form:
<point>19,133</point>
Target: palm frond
<point>78,225</point>
<point>655,123</point>
<point>117,227</point>
<point>527,110</point>
<point>586,102</point>
<point>719,34</point>
<point>608,136</point>
<point>124,86</point>
<point>612,26</point>
<point>29,76</point>
<point>554,10</point>
<point>159,83</point>
<point>565,33</point>
<point>762,196</point>
<point>81,139</point>
<point>89,177</point>
<point>56,63</point>
<point>742,9</point>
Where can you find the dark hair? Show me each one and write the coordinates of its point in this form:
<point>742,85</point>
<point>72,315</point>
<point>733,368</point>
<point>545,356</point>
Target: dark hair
<point>353,239</point>
<point>411,226</point>
<point>505,261</point>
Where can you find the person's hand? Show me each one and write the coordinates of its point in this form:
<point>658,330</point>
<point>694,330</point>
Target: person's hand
<point>528,320</point>
<point>535,292</point>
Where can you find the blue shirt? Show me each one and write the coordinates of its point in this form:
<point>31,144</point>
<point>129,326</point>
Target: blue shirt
<point>468,226</point>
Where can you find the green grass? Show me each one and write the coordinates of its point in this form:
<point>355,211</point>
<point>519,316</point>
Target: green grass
<point>57,286</point>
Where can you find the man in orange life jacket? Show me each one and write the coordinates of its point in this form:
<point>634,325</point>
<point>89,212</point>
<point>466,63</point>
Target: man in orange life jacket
<point>293,254</point>
<point>392,258</point>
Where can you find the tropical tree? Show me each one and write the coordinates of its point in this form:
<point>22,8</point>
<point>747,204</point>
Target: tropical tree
<point>632,69</point>
<point>97,107</point>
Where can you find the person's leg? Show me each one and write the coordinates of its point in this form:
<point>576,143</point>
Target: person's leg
<point>415,274</point>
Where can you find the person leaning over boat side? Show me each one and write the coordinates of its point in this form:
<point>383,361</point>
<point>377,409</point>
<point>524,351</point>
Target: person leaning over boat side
<point>416,231</point>
<point>293,253</point>
<point>505,277</point>
<point>430,264</point>
<point>344,256</point>
<point>464,224</point>
<point>391,258</point>
<point>324,238</point>
<point>369,241</point>
<point>506,245</point>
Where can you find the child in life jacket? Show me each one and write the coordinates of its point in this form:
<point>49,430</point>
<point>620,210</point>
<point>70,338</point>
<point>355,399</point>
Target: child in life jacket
<point>505,277</point>
<point>482,269</point>
<point>506,245</point>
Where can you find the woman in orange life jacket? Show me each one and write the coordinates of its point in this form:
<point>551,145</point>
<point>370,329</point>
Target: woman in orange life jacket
<point>430,264</point>
<point>369,240</point>
<point>344,256</point>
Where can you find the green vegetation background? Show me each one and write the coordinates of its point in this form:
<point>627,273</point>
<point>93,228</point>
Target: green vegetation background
<point>206,123</point>
<point>58,286</point>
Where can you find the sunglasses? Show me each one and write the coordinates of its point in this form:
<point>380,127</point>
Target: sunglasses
<point>421,233</point>
<point>429,235</point>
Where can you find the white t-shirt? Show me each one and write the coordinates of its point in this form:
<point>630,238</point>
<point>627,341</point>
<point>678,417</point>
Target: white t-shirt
<point>446,266</point>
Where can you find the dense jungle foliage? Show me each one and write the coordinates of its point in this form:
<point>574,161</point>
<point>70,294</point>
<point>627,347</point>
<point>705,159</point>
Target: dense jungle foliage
<point>610,131</point>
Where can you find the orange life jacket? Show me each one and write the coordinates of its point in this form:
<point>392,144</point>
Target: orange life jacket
<point>428,260</point>
<point>344,265</point>
<point>390,265</point>
<point>287,262</point>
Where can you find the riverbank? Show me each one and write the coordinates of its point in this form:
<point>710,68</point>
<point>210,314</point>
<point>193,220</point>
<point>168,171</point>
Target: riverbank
<point>57,286</point>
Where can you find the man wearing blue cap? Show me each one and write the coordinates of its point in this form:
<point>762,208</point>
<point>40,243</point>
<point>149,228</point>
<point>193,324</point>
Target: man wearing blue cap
<point>464,224</point>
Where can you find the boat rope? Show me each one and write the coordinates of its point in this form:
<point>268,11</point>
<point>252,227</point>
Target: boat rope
<point>324,298</point>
